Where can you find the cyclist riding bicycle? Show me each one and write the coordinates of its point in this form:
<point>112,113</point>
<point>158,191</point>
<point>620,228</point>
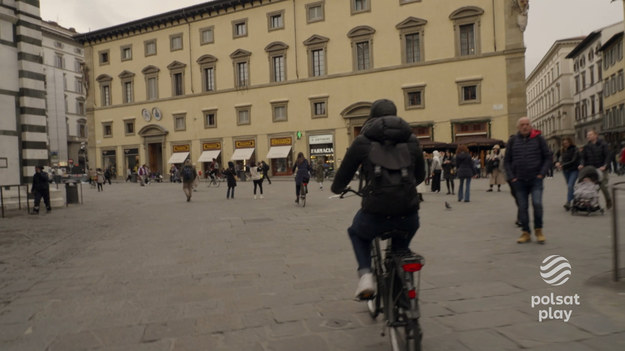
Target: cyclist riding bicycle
<point>302,175</point>
<point>377,217</point>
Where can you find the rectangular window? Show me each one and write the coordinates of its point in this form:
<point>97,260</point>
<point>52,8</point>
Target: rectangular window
<point>104,57</point>
<point>152,87</point>
<point>78,85</point>
<point>620,81</point>
<point>178,84</point>
<point>467,39</point>
<point>80,107</point>
<point>107,129</point>
<point>82,130</point>
<point>243,116</point>
<point>276,21</point>
<point>278,69</point>
<point>318,63</point>
<point>242,72</point>
<point>207,36</point>
<point>591,69</point>
<point>126,53</point>
<point>469,93</point>
<point>362,56</point>
<point>413,51</point>
<point>106,95</point>
<point>58,61</point>
<point>592,105</point>
<point>127,92</point>
<point>414,98</point>
<point>360,5</point>
<point>180,122</point>
<point>130,127</point>
<point>314,12</point>
<point>279,112</point>
<point>175,42</point>
<point>209,78</point>
<point>239,29</point>
<point>150,47</point>
<point>210,119</point>
<point>319,107</point>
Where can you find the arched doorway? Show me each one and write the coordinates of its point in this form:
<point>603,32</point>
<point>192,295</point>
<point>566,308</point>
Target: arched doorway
<point>355,116</point>
<point>154,143</point>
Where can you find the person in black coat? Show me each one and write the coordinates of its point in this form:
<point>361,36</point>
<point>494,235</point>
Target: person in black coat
<point>41,188</point>
<point>527,162</point>
<point>383,126</point>
<point>569,161</point>
<point>597,154</point>
<point>232,181</point>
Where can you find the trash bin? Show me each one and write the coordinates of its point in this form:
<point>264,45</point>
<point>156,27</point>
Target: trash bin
<point>71,192</point>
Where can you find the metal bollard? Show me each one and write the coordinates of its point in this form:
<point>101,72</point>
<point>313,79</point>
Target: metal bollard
<point>615,229</point>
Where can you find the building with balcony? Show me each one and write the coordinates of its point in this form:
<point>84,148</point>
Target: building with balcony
<point>251,80</point>
<point>550,92</point>
<point>613,128</point>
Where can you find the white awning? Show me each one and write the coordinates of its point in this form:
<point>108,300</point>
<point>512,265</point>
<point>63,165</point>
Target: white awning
<point>178,157</point>
<point>279,151</point>
<point>208,156</point>
<point>242,154</point>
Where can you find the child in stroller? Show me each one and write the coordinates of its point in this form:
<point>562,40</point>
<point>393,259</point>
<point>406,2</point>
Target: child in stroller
<point>586,193</point>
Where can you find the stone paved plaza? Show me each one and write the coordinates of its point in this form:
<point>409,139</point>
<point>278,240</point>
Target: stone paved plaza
<point>137,268</point>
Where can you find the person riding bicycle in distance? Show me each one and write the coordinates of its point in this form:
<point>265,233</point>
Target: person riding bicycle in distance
<point>386,142</point>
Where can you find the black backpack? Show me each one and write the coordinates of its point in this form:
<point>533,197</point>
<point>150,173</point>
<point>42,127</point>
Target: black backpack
<point>187,174</point>
<point>391,185</point>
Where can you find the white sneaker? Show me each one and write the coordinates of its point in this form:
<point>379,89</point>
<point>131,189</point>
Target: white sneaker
<point>254,197</point>
<point>262,197</point>
<point>366,287</point>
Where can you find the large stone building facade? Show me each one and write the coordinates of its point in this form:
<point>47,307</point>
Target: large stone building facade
<point>63,59</point>
<point>613,127</point>
<point>588,80</point>
<point>550,91</point>
<point>253,80</point>
<point>23,137</point>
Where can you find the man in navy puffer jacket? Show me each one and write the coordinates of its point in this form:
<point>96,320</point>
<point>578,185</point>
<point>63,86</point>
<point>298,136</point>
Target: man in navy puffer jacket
<point>527,161</point>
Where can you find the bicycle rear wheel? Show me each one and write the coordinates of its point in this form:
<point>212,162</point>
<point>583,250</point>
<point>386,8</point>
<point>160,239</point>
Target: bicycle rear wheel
<point>406,336</point>
<point>302,197</point>
<point>374,305</point>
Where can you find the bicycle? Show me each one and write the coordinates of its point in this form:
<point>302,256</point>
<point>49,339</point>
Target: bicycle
<point>397,295</point>
<point>214,181</point>
<point>303,190</point>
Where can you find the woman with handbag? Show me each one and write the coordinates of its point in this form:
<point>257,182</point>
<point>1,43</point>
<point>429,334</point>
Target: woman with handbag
<point>466,171</point>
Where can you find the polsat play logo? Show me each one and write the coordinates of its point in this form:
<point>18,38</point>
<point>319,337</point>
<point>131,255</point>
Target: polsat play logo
<point>555,271</point>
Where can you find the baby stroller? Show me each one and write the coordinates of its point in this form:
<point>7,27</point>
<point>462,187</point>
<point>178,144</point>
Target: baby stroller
<point>586,193</point>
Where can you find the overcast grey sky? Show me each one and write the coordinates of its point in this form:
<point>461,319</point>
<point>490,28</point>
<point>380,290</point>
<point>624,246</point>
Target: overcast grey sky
<point>549,20</point>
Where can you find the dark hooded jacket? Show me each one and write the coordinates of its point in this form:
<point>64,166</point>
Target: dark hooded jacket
<point>382,126</point>
<point>527,156</point>
<point>596,155</point>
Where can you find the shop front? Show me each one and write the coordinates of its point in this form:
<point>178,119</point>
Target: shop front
<point>243,155</point>
<point>131,161</point>
<point>322,148</point>
<point>109,160</point>
<point>211,152</point>
<point>281,156</point>
<point>180,153</point>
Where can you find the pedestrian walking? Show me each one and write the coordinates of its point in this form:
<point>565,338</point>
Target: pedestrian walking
<point>265,168</point>
<point>142,174</point>
<point>448,172</point>
<point>230,174</point>
<point>595,153</point>
<point>40,189</point>
<point>568,164</point>
<point>99,176</point>
<point>108,173</point>
<point>189,174</point>
<point>465,171</point>
<point>497,170</point>
<point>302,175</point>
<point>257,178</point>
<point>527,162</point>
<point>320,173</point>
<point>437,169</point>
<point>387,204</point>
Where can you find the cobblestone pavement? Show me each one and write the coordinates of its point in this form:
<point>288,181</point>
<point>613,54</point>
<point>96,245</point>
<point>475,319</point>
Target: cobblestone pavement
<point>141,269</point>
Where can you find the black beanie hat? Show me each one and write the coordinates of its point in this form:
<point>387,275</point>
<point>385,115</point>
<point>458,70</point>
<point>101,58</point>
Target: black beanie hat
<point>383,107</point>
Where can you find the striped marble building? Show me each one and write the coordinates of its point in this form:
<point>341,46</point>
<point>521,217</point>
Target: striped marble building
<point>23,130</point>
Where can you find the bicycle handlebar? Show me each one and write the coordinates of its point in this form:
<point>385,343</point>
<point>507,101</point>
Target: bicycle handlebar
<point>348,190</point>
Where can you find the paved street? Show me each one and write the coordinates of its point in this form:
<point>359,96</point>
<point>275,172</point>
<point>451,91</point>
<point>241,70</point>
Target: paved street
<point>141,269</point>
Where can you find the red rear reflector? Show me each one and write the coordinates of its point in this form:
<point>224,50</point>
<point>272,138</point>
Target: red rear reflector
<point>412,267</point>
<point>412,294</point>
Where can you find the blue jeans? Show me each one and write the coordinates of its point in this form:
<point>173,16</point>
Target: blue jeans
<point>366,226</point>
<point>571,177</point>
<point>467,191</point>
<point>525,188</point>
